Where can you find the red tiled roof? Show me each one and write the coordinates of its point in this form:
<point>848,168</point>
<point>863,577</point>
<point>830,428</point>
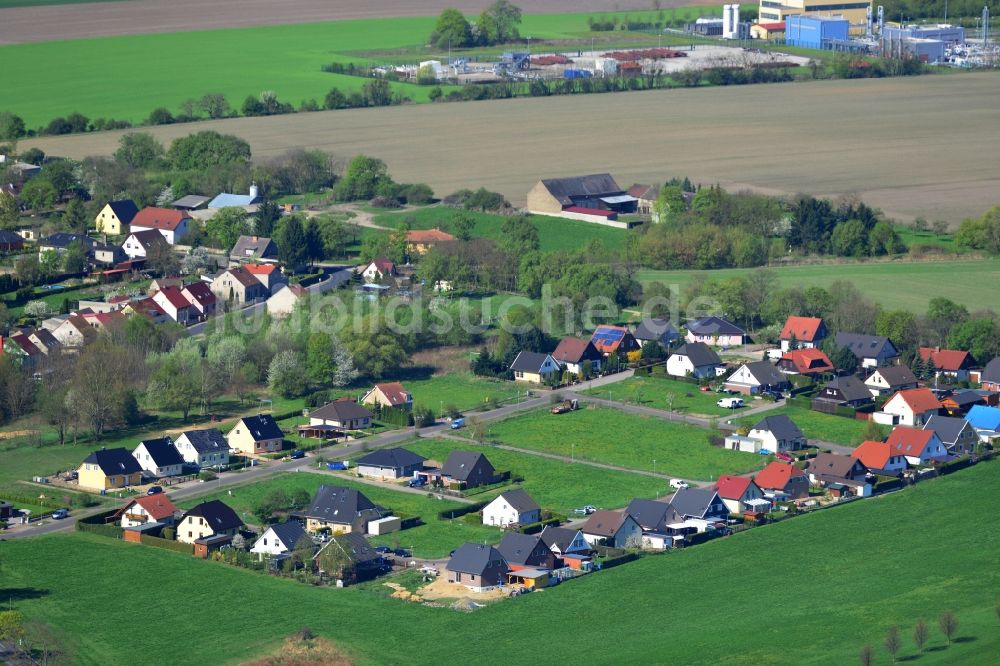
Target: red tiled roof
<point>147,306</point>
<point>945,359</point>
<point>919,399</point>
<point>780,25</point>
<point>570,350</point>
<point>199,291</point>
<point>803,328</point>
<point>260,269</point>
<point>394,393</point>
<point>873,455</point>
<point>906,441</point>
<point>777,475</point>
<point>732,487</point>
<point>159,218</point>
<point>428,236</point>
<point>25,344</point>
<point>175,297</point>
<point>158,506</point>
<point>809,360</point>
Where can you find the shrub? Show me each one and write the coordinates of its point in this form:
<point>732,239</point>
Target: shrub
<point>207,476</point>
<point>384,202</point>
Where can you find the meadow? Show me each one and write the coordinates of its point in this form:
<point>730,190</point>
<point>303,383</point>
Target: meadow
<point>907,285</point>
<point>663,393</point>
<point>816,425</point>
<point>61,579</point>
<point>617,438</point>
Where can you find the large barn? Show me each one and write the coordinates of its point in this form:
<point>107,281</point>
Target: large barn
<point>596,194</point>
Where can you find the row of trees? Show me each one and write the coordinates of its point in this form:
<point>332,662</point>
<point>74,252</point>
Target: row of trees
<point>893,642</point>
<point>497,24</point>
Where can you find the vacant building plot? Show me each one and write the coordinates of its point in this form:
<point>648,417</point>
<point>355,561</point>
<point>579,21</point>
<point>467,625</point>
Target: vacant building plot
<point>911,146</point>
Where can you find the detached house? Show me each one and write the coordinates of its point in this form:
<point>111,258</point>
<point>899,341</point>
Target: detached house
<point>340,510</point>
<point>283,301</point>
<point>660,331</point>
<point>420,241</point>
<point>699,503</point>
<point>360,560</point>
<point>695,359</point>
<point>201,298</point>
<point>204,448</point>
<point>148,509</point>
<point>394,463</point>
<point>872,351</point>
<point>653,515</point>
<point>463,469</point>
<point>140,244</point>
<point>912,407</point>
<point>108,469</point>
<point>254,435</point>
<point>565,542</point>
<point>610,340</point>
<point>238,285</point>
<point>957,434</point>
<point>253,248</point>
<point>784,478</point>
<point>534,368</point>
<point>888,380</point>
<point>779,433</point>
<point>612,528</point>
<point>268,275</point>
<point>173,224</point>
<point>990,377</point>
<point>207,520</point>
<point>159,457</point>
<point>115,217</point>
<point>880,458</point>
<point>950,362</point>
<point>841,474</point>
<point>805,362</point>
<point>513,507</point>
<point>379,269</point>
<point>344,414</point>
<point>846,391</point>
<point>526,551</point>
<point>919,447</point>
<point>986,421</point>
<point>741,495</point>
<point>390,395</point>
<point>804,332</point>
<point>279,539</point>
<point>173,302</point>
<point>577,354</point>
<point>715,331</point>
<point>757,377</point>
<point>478,567</point>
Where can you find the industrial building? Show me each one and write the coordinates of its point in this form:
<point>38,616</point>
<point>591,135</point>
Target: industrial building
<point>815,32</point>
<point>949,34</point>
<point>775,11</point>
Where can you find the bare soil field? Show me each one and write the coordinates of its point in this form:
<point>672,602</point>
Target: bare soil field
<point>911,146</point>
<point>133,17</point>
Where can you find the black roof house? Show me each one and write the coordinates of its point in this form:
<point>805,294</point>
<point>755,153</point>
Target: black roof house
<point>219,516</point>
<point>114,461</point>
<point>162,451</point>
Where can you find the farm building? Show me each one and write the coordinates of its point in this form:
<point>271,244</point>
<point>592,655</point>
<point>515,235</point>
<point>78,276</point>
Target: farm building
<point>594,198</point>
<point>815,32</point>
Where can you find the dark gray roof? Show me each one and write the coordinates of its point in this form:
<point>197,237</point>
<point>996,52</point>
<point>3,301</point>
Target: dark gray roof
<point>162,451</point>
<point>217,514</point>
<point>259,246</point>
<point>865,346</point>
<point>63,239</point>
<point>528,361</point>
<point>148,238</point>
<point>262,427</point>
<point>191,201</point>
<point>652,514</point>
<point>337,504</point>
<point>520,500</point>
<point>516,548</point>
<point>561,537</point>
<point>206,439</point>
<point>289,533</point>
<point>461,463</point>
<point>897,375</point>
<point>947,428</point>
<point>693,502</point>
<point>355,546</point>
<point>832,465</point>
<point>340,410</point>
<point>396,458</point>
<point>125,209</point>
<point>114,461</point>
<point>780,426</point>
<point>851,388</point>
<point>966,398</point>
<point>655,329</point>
<point>766,373</point>
<point>714,326</point>
<point>474,558</point>
<point>592,186</point>
<point>699,353</point>
<point>991,373</point>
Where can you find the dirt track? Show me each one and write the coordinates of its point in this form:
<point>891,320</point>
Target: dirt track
<point>102,19</point>
<point>911,146</point>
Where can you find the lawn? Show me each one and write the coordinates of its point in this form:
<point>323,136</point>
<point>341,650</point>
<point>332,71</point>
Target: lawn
<point>816,425</point>
<point>436,538</point>
<point>463,390</point>
<point>617,438</point>
<point>555,485</point>
<point>905,285</point>
<point>554,234</point>
<point>61,579</point>
<point>662,393</point>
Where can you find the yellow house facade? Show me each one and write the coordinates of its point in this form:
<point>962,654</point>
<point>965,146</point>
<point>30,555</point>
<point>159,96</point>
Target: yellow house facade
<point>109,469</point>
<point>774,11</point>
<point>115,217</point>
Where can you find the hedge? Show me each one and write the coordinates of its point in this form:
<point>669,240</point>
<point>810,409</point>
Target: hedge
<point>166,544</point>
<point>113,531</point>
<point>15,498</point>
<point>406,522</point>
<point>621,559</point>
<point>461,511</point>
<point>535,528</point>
<point>954,465</point>
<point>98,518</point>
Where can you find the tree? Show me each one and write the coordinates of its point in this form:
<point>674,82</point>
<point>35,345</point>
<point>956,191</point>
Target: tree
<point>11,126</point>
<point>39,194</point>
<point>949,625</point>
<point>291,240</point>
<point>207,149</point>
<point>267,216</point>
<point>28,269</point>
<point>843,358</point>
<point>139,150</point>
<point>451,30</point>
<point>669,204</point>
<point>943,315</point>
<point>319,359</point>
<point>53,408</point>
<point>364,178</point>
<point>900,326</point>
<point>11,626</point>
<point>334,559</point>
<point>98,389</point>
<point>75,258</point>
<point>981,233</point>
<point>498,23</point>
<point>215,105</point>
<point>286,375</point>
<point>893,642</point>
<point>867,655</point>
<point>160,116</point>
<point>37,309</point>
<point>519,236</point>
<point>173,385</point>
<point>9,210</point>
<point>872,432</point>
<point>199,260</point>
<point>75,216</point>
<point>226,226</point>
<point>162,259</point>
<point>335,99</point>
<point>462,225</point>
<point>920,634</point>
<point>377,354</point>
<point>849,239</point>
<point>981,337</point>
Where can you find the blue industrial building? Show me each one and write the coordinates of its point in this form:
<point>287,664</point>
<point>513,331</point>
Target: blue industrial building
<point>815,32</point>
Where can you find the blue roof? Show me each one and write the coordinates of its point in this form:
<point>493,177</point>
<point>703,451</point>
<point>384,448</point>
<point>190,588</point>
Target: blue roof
<point>608,335</point>
<point>226,199</point>
<point>984,418</point>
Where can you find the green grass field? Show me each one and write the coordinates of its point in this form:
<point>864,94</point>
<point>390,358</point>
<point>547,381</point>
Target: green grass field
<point>663,393</point>
<point>554,234</point>
<point>838,598</point>
<point>616,438</point>
<point>895,285</point>
<point>555,485</point>
<point>463,390</point>
<point>816,425</point>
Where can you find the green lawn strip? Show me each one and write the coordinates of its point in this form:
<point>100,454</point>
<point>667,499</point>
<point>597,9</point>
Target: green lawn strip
<point>816,425</point>
<point>662,393</point>
<point>905,285</point>
<point>462,390</point>
<point>63,578</point>
<point>555,485</point>
<point>617,438</point>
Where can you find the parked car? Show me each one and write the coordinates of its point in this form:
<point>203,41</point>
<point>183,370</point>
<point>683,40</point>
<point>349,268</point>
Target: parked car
<point>383,549</point>
<point>787,457</point>
<point>457,423</point>
<point>586,510</point>
<point>298,454</point>
<point>678,484</point>
<point>401,552</point>
<point>773,395</point>
<point>59,514</point>
<point>154,490</point>
<point>730,403</point>
<point>418,482</point>
<point>337,466</point>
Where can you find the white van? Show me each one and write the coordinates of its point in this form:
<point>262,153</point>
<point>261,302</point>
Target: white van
<point>678,484</point>
<point>730,403</point>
